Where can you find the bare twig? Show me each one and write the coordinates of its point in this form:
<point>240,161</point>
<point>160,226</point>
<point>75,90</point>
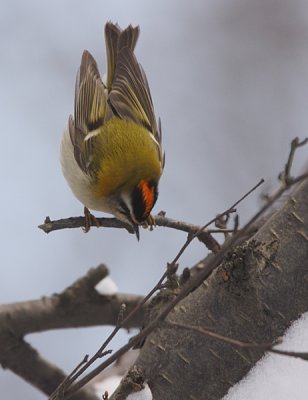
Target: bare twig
<point>83,366</point>
<point>79,222</point>
<point>262,346</point>
<point>285,176</point>
<point>222,338</point>
<point>65,383</point>
<point>230,210</point>
<point>203,235</point>
<point>160,220</point>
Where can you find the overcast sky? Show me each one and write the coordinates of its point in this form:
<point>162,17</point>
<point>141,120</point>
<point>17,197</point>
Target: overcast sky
<point>229,81</point>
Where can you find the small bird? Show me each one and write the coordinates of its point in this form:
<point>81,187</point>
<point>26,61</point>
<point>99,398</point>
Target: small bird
<point>111,152</point>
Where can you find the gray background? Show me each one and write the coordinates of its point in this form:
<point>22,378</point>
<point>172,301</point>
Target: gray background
<point>229,81</point>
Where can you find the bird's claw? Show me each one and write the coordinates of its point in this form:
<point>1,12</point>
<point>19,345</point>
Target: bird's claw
<point>149,223</point>
<point>89,218</point>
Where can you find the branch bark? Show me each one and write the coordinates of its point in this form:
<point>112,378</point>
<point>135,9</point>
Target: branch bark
<point>24,361</point>
<point>254,296</point>
<point>160,220</point>
<point>77,306</point>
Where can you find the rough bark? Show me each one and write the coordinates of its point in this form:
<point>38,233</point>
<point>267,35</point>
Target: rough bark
<point>254,296</point>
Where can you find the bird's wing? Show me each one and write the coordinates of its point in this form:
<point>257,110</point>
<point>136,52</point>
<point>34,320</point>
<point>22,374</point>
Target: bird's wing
<point>129,92</point>
<point>89,113</point>
<point>130,96</point>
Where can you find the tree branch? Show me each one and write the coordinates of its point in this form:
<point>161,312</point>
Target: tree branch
<point>254,296</point>
<point>160,220</point>
<point>24,361</point>
<point>77,306</point>
<point>193,285</point>
<point>209,264</point>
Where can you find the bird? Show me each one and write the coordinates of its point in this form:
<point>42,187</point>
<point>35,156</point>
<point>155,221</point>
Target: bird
<point>111,150</point>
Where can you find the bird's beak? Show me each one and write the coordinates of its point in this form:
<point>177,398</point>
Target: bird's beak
<point>136,229</point>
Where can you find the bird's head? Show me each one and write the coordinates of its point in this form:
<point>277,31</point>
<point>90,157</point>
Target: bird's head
<point>135,204</point>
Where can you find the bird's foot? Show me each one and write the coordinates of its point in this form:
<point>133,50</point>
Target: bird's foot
<point>149,223</point>
<point>89,219</point>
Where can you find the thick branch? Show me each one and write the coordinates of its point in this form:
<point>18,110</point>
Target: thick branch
<point>77,306</point>
<point>254,296</point>
<point>23,360</point>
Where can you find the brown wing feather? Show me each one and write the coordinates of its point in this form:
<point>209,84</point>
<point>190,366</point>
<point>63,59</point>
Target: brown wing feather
<point>89,112</point>
<point>116,39</point>
<point>130,94</point>
<point>112,34</point>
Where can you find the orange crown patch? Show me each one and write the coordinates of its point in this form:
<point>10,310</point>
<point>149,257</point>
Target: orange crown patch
<point>148,193</point>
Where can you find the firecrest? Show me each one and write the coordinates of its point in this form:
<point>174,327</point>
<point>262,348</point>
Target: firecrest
<point>111,151</point>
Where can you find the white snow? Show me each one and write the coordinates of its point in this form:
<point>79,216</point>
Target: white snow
<point>106,287</point>
<point>144,394</point>
<point>110,384</point>
<point>278,377</point>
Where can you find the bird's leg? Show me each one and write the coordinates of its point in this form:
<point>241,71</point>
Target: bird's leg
<point>89,218</point>
<point>149,223</point>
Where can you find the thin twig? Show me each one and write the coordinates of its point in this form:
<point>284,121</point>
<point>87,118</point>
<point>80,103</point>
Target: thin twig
<point>66,382</point>
<point>82,362</point>
<point>285,176</point>
<point>86,363</point>
<point>230,210</point>
<point>222,338</point>
<point>262,346</point>
<point>160,220</point>
<point>79,222</point>
<point>295,354</point>
<point>122,322</point>
<point>298,179</point>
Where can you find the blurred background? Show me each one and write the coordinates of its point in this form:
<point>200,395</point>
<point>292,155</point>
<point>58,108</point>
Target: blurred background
<point>229,81</point>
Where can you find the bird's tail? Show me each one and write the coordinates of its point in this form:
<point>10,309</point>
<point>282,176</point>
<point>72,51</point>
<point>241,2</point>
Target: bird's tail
<point>116,39</point>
